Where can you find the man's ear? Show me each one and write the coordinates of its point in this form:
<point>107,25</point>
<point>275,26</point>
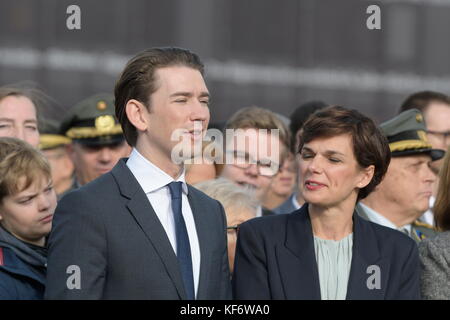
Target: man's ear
<point>136,112</point>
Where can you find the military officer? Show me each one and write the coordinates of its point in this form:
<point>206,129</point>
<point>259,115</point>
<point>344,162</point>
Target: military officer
<point>97,139</point>
<point>53,145</point>
<point>403,195</point>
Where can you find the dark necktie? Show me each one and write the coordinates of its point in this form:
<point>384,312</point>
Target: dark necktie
<point>183,245</point>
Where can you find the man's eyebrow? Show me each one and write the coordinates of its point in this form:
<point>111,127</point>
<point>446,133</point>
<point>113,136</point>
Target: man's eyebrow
<point>181,93</point>
<point>189,94</point>
<point>12,120</point>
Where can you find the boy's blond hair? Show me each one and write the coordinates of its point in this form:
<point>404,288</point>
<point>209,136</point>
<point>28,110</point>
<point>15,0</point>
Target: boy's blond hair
<point>18,159</point>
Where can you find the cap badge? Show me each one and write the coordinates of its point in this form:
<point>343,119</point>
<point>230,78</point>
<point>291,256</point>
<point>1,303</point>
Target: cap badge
<point>104,124</point>
<point>422,136</point>
<point>101,105</point>
<point>419,118</point>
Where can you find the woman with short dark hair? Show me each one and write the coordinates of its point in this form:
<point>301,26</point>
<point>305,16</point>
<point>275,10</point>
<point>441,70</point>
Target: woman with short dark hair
<point>325,250</point>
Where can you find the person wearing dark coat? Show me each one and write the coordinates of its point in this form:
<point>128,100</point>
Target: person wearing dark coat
<point>142,233</point>
<point>27,203</point>
<point>325,250</point>
<point>22,269</point>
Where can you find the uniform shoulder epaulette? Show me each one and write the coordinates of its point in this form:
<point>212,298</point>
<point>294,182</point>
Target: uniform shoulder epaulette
<point>423,224</point>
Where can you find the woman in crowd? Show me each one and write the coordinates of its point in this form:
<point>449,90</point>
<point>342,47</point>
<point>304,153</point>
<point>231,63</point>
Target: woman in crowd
<point>435,252</point>
<point>325,250</point>
<point>283,184</point>
<point>240,205</point>
<point>27,203</point>
<point>18,115</point>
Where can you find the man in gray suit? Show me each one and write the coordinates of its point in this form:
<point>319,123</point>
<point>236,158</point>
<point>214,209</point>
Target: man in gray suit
<point>139,231</point>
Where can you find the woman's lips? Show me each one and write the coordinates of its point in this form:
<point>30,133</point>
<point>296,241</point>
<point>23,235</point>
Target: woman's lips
<point>313,185</point>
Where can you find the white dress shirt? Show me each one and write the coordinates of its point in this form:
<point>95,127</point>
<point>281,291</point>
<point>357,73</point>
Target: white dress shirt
<point>154,183</point>
<point>295,202</point>
<point>379,219</point>
<point>428,216</point>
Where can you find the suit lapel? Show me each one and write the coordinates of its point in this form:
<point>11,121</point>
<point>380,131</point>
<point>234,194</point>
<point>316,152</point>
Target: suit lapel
<point>366,263</point>
<point>297,259</point>
<point>203,240</point>
<point>146,218</point>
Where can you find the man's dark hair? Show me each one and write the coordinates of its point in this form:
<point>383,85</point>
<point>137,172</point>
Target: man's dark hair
<point>421,100</point>
<point>138,81</point>
<point>299,117</point>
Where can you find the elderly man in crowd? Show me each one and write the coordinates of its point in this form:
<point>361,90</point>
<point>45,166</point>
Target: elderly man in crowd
<point>97,139</point>
<point>403,195</point>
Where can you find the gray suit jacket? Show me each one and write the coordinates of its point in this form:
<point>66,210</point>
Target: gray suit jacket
<point>110,235</point>
<point>287,206</point>
<point>435,258</point>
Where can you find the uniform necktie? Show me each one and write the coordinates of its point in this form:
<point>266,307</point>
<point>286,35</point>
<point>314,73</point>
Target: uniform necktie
<point>405,231</point>
<point>183,245</point>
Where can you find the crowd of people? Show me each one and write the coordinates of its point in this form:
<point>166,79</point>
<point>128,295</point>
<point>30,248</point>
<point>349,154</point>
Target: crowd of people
<point>325,204</point>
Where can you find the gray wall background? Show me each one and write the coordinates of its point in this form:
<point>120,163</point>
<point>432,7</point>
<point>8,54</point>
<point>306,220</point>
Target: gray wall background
<point>275,54</point>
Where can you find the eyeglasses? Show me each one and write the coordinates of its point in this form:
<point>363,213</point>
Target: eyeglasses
<point>233,229</point>
<point>243,161</point>
<point>443,135</point>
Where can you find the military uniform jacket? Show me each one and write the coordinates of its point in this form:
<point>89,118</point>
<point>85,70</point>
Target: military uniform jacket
<point>419,230</point>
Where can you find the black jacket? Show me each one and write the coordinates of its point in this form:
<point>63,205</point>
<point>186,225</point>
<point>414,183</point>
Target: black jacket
<point>275,259</point>
<point>22,269</point>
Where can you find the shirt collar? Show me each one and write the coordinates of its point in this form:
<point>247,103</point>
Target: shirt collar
<point>376,217</point>
<point>149,176</point>
<point>295,202</point>
<point>379,219</point>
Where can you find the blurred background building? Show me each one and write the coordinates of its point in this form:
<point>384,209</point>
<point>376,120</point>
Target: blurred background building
<point>273,53</point>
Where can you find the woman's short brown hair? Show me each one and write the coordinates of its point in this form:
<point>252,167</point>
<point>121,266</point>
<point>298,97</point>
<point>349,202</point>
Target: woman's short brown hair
<point>137,80</point>
<point>18,159</point>
<point>441,208</point>
<point>370,146</point>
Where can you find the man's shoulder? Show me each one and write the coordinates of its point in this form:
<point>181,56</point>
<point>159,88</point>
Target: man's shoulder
<point>423,230</point>
<point>387,238</point>
<point>286,207</point>
<point>102,184</point>
<point>201,196</point>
